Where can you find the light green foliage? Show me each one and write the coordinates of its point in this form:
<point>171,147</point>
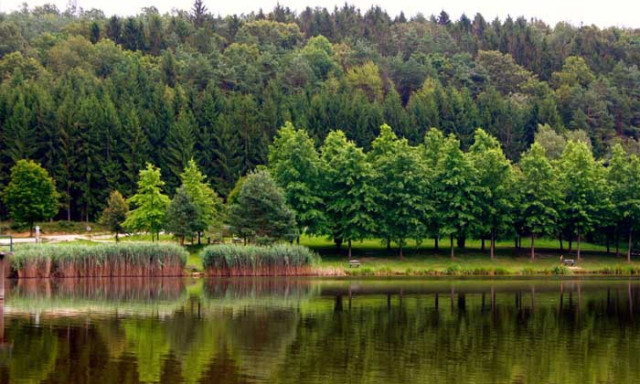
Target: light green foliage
<point>115,213</point>
<point>540,193</point>
<point>552,142</point>
<point>31,194</point>
<point>318,52</point>
<point>624,180</point>
<point>183,215</point>
<point>209,205</point>
<point>260,212</point>
<point>366,78</point>
<point>496,186</point>
<point>456,191</point>
<point>348,189</point>
<point>585,193</point>
<point>401,185</point>
<point>295,166</point>
<point>149,202</point>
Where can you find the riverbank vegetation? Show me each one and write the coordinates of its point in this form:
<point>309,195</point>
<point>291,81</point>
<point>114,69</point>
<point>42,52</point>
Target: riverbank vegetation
<point>251,260</point>
<point>100,260</point>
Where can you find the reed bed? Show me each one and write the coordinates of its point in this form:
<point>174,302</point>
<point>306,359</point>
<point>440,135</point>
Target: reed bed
<point>105,260</point>
<point>275,260</point>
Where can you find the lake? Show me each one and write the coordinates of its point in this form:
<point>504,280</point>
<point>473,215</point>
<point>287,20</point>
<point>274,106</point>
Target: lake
<point>300,330</point>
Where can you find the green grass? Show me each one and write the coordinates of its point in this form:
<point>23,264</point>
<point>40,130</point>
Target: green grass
<point>423,260</point>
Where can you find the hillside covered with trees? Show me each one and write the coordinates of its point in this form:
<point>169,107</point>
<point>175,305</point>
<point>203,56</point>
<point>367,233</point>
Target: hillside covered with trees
<point>94,98</point>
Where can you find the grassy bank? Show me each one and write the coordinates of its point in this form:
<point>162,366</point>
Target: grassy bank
<point>424,260</point>
<point>101,260</point>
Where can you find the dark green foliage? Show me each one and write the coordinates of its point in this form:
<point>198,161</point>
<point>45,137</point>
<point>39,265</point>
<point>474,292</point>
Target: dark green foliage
<point>115,213</point>
<point>183,216</point>
<point>259,213</point>
<point>93,99</point>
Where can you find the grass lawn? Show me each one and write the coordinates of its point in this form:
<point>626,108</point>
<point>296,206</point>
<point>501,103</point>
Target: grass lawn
<point>376,260</point>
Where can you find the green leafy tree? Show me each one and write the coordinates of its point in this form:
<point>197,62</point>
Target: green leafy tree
<point>540,194</point>
<point>495,187</point>
<point>31,194</point>
<point>260,213</point>
<point>115,213</point>
<point>433,144</point>
<point>209,205</point>
<point>624,179</point>
<point>349,193</point>
<point>584,189</point>
<point>182,217</point>
<point>295,165</point>
<point>149,202</point>
<point>457,192</point>
<point>400,181</point>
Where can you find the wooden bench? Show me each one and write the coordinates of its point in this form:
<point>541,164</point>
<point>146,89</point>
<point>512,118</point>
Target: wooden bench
<point>569,262</point>
<point>354,263</point>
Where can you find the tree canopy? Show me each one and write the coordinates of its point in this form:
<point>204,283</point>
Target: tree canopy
<point>31,194</point>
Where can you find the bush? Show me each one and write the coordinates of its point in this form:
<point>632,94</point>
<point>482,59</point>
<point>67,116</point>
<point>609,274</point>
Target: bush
<point>454,270</point>
<point>255,260</point>
<point>131,259</point>
<point>562,270</point>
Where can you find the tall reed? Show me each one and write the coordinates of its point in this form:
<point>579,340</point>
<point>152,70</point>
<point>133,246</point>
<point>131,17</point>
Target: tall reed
<point>105,260</point>
<point>253,260</point>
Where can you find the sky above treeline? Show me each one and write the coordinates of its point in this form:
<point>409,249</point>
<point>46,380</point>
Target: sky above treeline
<point>621,13</point>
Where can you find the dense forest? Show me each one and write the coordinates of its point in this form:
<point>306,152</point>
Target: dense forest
<point>94,98</point>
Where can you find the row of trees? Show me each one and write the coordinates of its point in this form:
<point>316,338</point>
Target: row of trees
<point>93,99</point>
<point>397,191</point>
<point>394,192</point>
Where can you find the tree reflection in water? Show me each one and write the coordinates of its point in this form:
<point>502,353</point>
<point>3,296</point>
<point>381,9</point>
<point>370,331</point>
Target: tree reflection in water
<point>318,331</point>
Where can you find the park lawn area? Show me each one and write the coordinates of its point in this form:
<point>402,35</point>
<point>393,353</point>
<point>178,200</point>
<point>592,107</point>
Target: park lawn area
<point>376,260</point>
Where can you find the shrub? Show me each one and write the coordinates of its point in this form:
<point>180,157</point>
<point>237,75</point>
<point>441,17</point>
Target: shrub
<point>105,260</point>
<point>454,269</point>
<point>254,260</point>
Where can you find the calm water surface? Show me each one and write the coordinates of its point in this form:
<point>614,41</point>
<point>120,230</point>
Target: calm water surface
<point>321,331</point>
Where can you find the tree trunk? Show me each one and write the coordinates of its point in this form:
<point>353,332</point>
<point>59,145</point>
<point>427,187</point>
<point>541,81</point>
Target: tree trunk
<point>116,236</point>
<point>515,242</point>
<point>579,239</point>
<point>608,244</point>
<point>349,251</point>
<point>298,240</point>
<point>435,242</point>
<point>388,244</point>
<point>199,238</point>
<point>561,243</point>
<point>533,249</point>
<point>401,254</point>
<point>451,241</point>
<point>182,240</point>
<point>617,244</point>
<point>629,249</point>
<point>31,230</point>
<point>482,243</point>
<point>570,245</point>
<point>493,244</point>
<point>462,241</point>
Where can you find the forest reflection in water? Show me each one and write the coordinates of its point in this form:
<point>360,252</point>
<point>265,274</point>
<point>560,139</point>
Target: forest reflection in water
<point>318,331</point>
